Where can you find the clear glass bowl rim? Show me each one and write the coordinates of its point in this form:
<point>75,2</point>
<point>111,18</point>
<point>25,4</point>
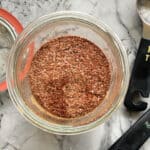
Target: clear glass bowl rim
<point>26,112</point>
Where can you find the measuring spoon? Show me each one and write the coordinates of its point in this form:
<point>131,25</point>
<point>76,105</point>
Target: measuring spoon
<point>140,77</point>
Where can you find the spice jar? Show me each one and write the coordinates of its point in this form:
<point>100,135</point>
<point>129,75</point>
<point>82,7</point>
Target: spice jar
<point>56,25</point>
<point>10,27</point>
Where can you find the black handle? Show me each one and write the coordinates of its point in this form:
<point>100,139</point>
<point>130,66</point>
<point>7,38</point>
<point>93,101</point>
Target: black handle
<point>134,138</point>
<point>140,78</point>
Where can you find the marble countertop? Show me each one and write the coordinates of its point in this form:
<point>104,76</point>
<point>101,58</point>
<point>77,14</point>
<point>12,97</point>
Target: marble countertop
<point>16,133</point>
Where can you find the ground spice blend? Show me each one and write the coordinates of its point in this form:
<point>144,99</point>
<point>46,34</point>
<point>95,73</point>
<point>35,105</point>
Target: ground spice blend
<point>69,76</point>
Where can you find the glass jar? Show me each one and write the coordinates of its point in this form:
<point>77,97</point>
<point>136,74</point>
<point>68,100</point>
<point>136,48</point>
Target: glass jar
<point>55,25</point>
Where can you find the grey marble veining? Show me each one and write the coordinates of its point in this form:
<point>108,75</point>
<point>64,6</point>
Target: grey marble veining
<point>16,133</point>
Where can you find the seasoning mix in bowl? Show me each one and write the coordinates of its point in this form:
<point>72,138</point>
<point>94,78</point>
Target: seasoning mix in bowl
<point>69,76</point>
<point>67,73</point>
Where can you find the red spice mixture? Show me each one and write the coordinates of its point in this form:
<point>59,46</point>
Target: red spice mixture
<point>69,76</point>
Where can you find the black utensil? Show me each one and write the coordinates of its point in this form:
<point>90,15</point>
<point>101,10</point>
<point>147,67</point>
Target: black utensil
<point>140,77</point>
<point>135,137</point>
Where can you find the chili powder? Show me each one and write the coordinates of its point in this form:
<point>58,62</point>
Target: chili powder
<point>69,76</point>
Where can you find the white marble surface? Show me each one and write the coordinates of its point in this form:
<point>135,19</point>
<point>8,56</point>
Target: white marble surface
<point>18,134</point>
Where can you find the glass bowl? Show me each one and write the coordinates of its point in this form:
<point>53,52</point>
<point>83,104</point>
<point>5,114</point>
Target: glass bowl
<point>56,25</point>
